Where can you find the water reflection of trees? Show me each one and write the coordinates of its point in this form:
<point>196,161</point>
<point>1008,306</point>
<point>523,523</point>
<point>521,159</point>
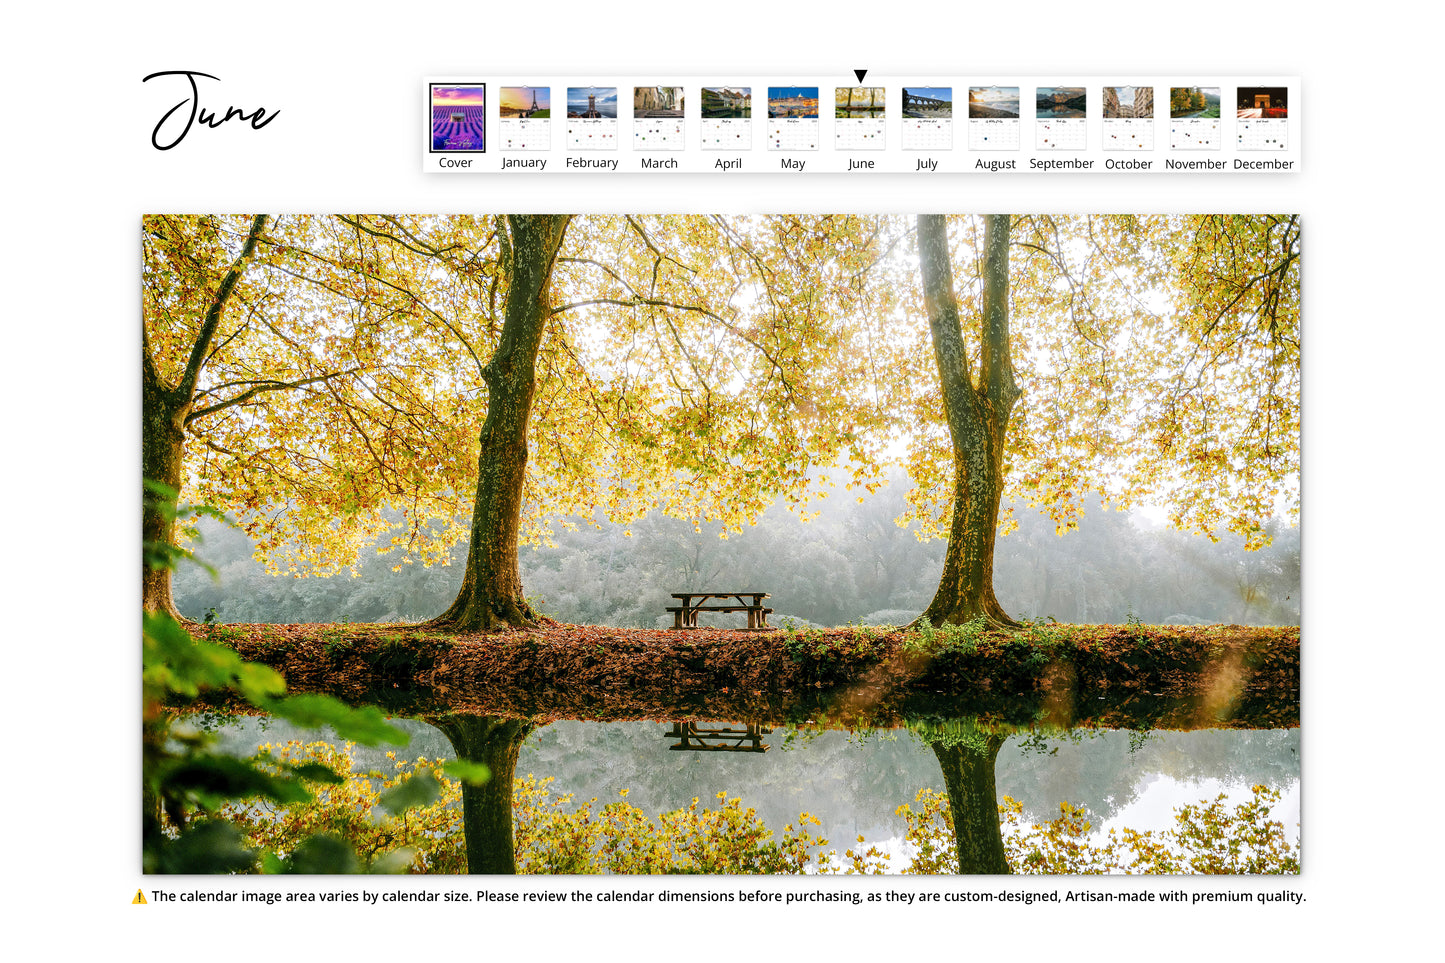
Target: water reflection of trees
<point>1102,771</point>
<point>853,780</point>
<point>966,754</point>
<point>487,809</point>
<point>968,775</point>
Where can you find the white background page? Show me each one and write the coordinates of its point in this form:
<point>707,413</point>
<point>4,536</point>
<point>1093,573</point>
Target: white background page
<point>81,172</point>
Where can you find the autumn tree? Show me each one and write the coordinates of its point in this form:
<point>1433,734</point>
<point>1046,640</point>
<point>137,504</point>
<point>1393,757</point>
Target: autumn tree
<point>375,453</point>
<point>977,403</point>
<point>1137,358</point>
<point>1218,436</point>
<point>695,366</point>
<point>169,405</point>
<point>491,591</point>
<point>967,753</point>
<point>293,374</point>
<point>713,400</point>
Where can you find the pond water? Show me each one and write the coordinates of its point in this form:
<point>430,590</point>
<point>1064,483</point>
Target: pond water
<point>854,783</point>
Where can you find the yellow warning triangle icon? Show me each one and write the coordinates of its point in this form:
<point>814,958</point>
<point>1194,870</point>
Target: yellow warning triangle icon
<point>139,898</point>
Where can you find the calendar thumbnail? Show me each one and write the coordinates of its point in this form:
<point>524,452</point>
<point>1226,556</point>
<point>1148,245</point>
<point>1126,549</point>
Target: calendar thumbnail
<point>993,118</point>
<point>1060,118</point>
<point>592,118</point>
<point>792,118</point>
<point>727,118</point>
<point>928,118</point>
<point>1262,118</point>
<point>1128,118</point>
<point>657,114</point>
<point>858,118</point>
<point>458,118</point>
<point>1194,118</point>
<point>526,118</point>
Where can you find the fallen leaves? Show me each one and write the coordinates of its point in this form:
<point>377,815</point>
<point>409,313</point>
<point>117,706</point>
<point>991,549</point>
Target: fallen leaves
<point>1132,674</point>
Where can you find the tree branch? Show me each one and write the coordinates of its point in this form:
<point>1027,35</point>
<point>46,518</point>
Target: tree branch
<point>259,388</point>
<point>732,329</point>
<point>949,349</point>
<point>199,349</point>
<point>997,364</point>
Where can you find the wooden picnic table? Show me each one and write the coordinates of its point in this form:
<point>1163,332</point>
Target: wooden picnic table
<point>684,615</point>
<point>702,738</point>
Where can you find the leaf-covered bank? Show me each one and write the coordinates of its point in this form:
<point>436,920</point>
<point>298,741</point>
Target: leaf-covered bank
<point>1130,676</point>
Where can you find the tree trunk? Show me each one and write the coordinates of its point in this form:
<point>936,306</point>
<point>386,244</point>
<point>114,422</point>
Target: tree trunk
<point>491,592</point>
<point>161,440</point>
<point>978,417</point>
<point>487,809</point>
<point>973,801</point>
<point>164,412</point>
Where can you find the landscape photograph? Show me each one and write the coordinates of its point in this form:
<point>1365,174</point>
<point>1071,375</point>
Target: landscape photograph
<point>458,117</point>
<point>592,103</point>
<point>1202,102</point>
<point>1060,102</point>
<point>859,102</point>
<point>993,103</point>
<point>786,544</point>
<point>928,103</point>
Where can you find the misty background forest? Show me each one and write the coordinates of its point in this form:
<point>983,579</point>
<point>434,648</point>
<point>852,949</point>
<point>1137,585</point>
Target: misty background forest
<point>850,564</point>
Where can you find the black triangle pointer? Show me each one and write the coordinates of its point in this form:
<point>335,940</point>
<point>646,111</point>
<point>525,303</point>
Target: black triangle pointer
<point>860,74</point>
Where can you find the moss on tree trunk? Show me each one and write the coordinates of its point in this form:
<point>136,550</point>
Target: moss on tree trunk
<point>161,441</point>
<point>491,594</point>
<point>977,405</point>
